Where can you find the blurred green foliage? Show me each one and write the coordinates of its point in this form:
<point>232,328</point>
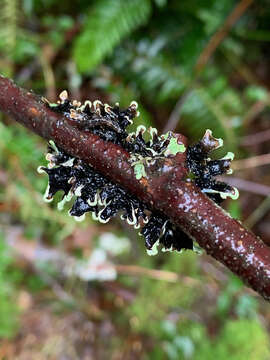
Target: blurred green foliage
<point>237,340</point>
<point>105,26</point>
<point>143,50</point>
<point>9,313</point>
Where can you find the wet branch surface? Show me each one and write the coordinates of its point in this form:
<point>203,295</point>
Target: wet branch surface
<point>165,188</point>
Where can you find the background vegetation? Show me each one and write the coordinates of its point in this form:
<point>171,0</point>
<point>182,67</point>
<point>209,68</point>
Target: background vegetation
<point>89,291</point>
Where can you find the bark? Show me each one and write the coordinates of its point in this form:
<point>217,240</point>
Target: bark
<point>164,189</point>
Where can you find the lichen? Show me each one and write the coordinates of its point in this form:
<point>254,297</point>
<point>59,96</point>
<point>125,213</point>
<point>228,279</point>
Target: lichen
<point>174,147</point>
<point>139,169</point>
<point>94,193</point>
<point>203,170</point>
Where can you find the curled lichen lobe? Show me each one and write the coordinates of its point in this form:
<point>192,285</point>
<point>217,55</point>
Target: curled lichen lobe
<point>203,170</point>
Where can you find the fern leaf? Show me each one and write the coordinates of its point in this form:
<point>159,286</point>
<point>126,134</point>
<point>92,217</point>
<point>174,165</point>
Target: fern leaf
<point>107,23</point>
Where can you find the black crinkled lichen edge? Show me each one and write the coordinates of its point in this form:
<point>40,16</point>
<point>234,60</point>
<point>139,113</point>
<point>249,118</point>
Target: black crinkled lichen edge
<point>94,193</point>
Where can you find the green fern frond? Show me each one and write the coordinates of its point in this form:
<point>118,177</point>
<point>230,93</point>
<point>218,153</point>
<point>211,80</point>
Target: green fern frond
<point>108,22</point>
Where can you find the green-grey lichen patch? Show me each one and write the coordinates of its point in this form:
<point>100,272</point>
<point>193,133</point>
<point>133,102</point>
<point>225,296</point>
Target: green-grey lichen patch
<point>168,146</point>
<point>139,170</point>
<point>174,147</point>
<point>154,250</point>
<point>138,162</point>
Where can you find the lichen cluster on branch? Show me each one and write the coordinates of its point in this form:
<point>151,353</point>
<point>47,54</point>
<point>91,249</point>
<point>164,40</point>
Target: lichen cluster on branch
<point>170,186</point>
<point>95,193</point>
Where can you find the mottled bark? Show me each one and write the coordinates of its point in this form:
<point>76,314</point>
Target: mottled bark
<point>165,187</point>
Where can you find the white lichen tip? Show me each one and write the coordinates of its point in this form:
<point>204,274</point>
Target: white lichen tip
<point>154,250</point>
<point>228,156</point>
<point>87,102</point>
<point>76,103</point>
<point>79,218</point>
<point>140,129</point>
<point>107,108</point>
<point>40,170</point>
<point>53,146</point>
<point>78,191</point>
<point>49,157</point>
<point>102,221</point>
<point>167,249</point>
<point>63,95</point>
<point>134,105</point>
<point>69,163</point>
<point>66,198</point>
<point>133,221</point>
<point>220,142</point>
<point>234,194</point>
<point>152,131</point>
<point>210,142</point>
<point>97,104</point>
<point>73,114</point>
<point>46,197</point>
<point>94,202</point>
<point>94,216</point>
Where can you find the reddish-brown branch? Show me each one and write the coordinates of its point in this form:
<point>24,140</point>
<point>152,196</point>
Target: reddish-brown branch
<point>164,188</point>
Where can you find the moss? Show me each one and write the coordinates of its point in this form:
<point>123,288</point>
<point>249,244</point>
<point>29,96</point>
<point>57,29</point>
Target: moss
<point>154,301</point>
<point>239,340</point>
<point>9,312</point>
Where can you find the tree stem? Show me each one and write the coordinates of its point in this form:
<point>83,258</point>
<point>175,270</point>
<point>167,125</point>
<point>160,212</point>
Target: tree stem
<point>164,189</point>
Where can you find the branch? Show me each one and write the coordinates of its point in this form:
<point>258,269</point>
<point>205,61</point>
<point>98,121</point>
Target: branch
<point>164,189</point>
<point>218,37</point>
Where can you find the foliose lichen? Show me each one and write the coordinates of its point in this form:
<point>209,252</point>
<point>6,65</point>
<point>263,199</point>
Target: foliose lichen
<point>93,192</point>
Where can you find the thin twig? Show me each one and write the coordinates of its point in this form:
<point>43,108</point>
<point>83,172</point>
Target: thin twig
<point>252,162</point>
<point>154,274</point>
<point>245,185</point>
<point>217,38</point>
<point>256,138</point>
<point>254,111</point>
<point>259,212</point>
<point>176,113</point>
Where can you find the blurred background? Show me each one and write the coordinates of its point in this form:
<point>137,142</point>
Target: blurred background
<point>88,291</point>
